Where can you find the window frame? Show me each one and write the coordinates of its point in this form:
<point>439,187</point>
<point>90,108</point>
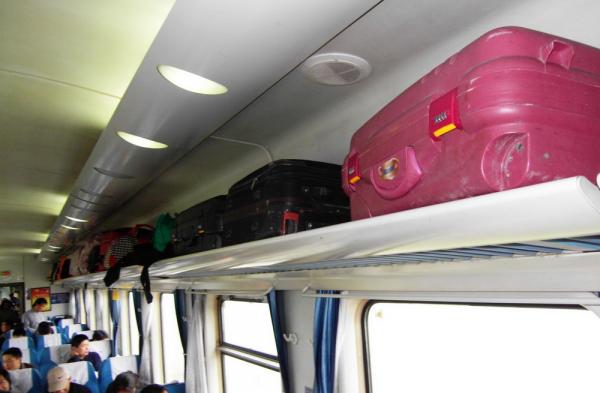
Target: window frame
<point>364,330</point>
<point>248,355</point>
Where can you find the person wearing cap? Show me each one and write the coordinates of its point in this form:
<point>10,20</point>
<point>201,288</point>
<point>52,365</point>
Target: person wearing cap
<point>80,350</point>
<point>59,381</point>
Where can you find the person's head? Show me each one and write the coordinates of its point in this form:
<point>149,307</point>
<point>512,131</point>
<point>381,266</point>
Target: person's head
<point>44,328</point>
<point>19,331</point>
<point>154,389</point>
<point>58,380</point>
<point>11,359</point>
<point>6,304</point>
<point>126,382</point>
<point>4,327</point>
<point>99,335</point>
<point>39,304</point>
<point>80,345</point>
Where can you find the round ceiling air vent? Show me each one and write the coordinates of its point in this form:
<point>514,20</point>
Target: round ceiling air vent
<point>336,68</point>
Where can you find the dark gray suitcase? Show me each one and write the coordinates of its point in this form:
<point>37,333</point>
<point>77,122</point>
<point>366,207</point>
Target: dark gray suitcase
<point>285,196</point>
<point>200,227</point>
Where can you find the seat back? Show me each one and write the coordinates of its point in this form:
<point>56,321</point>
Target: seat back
<point>82,373</point>
<point>71,330</point>
<point>26,380</point>
<point>30,356</point>
<point>88,333</point>
<point>63,323</point>
<point>114,366</point>
<point>175,387</point>
<point>19,342</point>
<point>55,355</point>
<point>102,348</point>
<point>9,334</point>
<point>49,340</point>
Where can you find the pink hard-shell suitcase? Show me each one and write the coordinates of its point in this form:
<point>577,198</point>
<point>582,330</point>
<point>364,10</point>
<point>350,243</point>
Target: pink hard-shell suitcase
<point>516,107</point>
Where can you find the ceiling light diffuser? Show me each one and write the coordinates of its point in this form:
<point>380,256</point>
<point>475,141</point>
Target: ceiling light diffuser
<point>189,81</point>
<point>76,219</point>
<point>68,227</point>
<point>141,142</point>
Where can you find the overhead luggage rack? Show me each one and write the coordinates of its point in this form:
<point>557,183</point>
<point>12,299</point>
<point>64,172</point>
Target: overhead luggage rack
<point>549,231</point>
<point>516,222</point>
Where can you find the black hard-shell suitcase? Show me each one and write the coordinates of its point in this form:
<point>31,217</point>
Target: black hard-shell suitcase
<point>200,227</point>
<point>285,196</point>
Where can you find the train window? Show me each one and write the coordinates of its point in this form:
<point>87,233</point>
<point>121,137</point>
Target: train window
<point>172,349</point>
<point>450,348</point>
<point>248,348</point>
<point>134,334</point>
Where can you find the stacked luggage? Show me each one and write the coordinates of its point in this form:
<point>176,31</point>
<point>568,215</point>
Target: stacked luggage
<point>283,197</point>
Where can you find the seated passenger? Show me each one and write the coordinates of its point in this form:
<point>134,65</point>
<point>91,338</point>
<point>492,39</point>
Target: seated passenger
<point>19,331</point>
<point>126,382</point>
<point>154,389</point>
<point>99,335</point>
<point>44,328</point>
<point>59,381</point>
<point>12,360</point>
<point>80,350</point>
<point>5,383</point>
<point>4,328</point>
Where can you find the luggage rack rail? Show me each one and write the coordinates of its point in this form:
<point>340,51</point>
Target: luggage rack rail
<point>511,250</point>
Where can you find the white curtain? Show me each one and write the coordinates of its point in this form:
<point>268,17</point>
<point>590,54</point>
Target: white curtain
<point>87,300</point>
<point>145,374</point>
<point>195,372</point>
<point>347,346</point>
<point>73,305</point>
<point>100,310</point>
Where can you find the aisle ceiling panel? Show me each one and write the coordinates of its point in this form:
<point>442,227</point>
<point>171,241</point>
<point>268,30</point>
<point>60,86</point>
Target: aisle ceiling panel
<point>64,66</point>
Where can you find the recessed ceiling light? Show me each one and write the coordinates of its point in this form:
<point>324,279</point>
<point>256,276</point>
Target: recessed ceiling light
<point>189,81</point>
<point>68,227</point>
<point>76,219</point>
<point>43,259</point>
<point>51,246</point>
<point>141,142</point>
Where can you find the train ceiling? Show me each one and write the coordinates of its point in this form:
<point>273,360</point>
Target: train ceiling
<point>73,73</point>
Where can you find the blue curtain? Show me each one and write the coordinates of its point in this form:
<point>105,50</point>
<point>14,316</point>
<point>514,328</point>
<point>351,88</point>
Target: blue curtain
<point>180,311</point>
<point>137,304</point>
<point>275,306</point>
<point>324,340</point>
<point>115,314</point>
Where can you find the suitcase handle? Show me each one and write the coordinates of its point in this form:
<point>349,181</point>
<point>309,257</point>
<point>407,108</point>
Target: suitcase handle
<point>289,222</point>
<point>560,53</point>
<point>396,176</point>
